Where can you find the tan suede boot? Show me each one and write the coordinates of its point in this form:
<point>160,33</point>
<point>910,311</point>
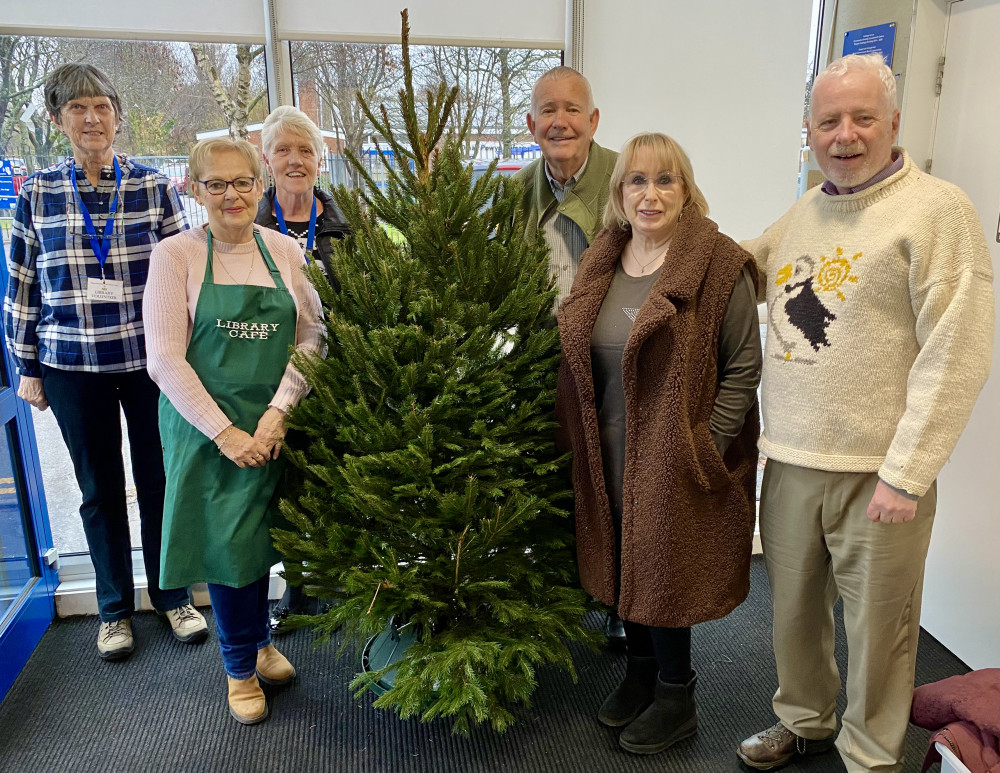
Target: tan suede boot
<point>246,700</point>
<point>273,667</point>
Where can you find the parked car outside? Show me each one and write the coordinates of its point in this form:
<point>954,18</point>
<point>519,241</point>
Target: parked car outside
<point>506,167</point>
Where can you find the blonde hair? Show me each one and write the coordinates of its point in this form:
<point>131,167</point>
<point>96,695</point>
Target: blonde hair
<point>205,149</point>
<point>670,155</point>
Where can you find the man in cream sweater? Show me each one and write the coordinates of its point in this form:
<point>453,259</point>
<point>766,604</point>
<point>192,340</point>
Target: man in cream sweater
<point>880,311</point>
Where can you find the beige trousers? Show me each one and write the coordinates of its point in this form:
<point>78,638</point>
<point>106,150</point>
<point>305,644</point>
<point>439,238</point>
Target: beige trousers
<point>818,544</point>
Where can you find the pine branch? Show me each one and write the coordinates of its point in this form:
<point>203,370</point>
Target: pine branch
<point>428,486</point>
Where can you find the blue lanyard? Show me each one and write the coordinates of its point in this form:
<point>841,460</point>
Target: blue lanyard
<point>103,247</point>
<point>310,237</point>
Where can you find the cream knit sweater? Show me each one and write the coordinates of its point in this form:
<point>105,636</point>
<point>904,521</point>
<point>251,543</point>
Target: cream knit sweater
<point>880,328</point>
<point>176,273</point>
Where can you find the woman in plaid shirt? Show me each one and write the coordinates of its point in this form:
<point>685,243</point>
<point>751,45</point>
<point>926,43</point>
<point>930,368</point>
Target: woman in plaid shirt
<point>83,233</point>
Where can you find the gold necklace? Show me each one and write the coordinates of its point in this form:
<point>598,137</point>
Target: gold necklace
<point>229,274</point>
<point>644,266</point>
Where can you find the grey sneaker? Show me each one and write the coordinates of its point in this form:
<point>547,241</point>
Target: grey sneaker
<point>187,624</point>
<point>114,640</point>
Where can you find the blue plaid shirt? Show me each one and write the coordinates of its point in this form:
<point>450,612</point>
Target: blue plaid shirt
<point>47,317</point>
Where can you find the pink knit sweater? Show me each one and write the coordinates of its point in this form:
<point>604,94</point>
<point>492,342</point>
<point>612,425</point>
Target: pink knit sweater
<point>176,273</point>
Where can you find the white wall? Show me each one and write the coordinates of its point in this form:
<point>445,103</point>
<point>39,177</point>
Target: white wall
<point>962,585</point>
<point>919,102</point>
<point>726,79</point>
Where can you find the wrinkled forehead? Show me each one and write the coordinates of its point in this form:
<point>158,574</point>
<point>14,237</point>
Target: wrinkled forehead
<point>560,90</point>
<point>849,93</point>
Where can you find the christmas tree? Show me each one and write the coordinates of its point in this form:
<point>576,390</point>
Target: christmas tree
<point>429,489</point>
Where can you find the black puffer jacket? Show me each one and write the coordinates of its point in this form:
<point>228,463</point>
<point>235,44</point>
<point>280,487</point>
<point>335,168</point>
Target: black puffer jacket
<point>330,224</point>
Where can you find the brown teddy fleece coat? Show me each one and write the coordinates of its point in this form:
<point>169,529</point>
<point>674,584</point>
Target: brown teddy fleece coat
<point>687,514</point>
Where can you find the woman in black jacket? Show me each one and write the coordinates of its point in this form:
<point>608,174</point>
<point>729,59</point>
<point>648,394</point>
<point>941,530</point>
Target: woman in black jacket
<point>293,152</point>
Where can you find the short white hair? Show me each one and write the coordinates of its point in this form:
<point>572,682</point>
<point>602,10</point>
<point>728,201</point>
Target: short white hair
<point>562,72</point>
<point>290,119</point>
<point>873,63</point>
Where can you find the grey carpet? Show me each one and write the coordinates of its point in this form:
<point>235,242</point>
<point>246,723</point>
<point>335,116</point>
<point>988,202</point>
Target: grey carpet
<point>164,709</point>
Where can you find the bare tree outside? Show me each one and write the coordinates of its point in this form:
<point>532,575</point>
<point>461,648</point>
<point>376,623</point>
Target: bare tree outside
<point>234,88</point>
<point>24,63</point>
<point>167,97</point>
<point>474,70</point>
<point>495,86</point>
<point>518,69</point>
<point>341,71</point>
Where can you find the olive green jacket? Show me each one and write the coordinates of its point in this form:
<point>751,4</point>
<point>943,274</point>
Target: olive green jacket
<point>585,202</point>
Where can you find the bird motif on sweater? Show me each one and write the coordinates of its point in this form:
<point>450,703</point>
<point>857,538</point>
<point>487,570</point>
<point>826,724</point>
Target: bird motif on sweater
<point>803,313</point>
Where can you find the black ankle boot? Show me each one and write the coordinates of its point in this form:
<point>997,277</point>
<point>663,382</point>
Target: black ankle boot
<point>671,718</point>
<point>630,698</point>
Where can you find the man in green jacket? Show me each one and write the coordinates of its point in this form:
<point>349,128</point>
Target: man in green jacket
<point>566,190</point>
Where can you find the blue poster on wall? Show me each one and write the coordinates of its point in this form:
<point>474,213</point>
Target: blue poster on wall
<point>880,39</point>
<point>7,196</point>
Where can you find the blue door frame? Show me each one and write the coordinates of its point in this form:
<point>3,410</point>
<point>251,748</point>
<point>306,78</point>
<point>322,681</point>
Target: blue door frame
<point>30,613</point>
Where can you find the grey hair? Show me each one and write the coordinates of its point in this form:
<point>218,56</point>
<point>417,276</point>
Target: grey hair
<point>873,63</point>
<point>290,119</point>
<point>72,81</point>
<point>562,72</point>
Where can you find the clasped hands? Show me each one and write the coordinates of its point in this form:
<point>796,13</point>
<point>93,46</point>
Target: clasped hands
<point>246,450</point>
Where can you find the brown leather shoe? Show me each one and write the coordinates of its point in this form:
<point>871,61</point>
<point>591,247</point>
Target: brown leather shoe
<point>246,700</point>
<point>273,667</point>
<point>777,745</point>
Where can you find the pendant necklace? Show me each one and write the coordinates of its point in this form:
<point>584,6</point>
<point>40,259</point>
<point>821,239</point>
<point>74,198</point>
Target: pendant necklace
<point>642,266</point>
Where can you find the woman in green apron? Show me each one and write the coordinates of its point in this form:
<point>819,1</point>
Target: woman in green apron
<point>224,306</point>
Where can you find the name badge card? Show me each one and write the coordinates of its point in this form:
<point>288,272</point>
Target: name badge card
<point>105,290</point>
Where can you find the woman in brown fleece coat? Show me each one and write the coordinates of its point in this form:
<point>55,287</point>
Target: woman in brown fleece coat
<point>657,398</point>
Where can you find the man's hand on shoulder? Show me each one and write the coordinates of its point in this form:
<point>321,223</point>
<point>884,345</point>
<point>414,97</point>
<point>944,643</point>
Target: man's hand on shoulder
<point>889,506</point>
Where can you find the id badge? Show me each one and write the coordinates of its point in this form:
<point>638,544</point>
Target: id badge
<point>105,290</point>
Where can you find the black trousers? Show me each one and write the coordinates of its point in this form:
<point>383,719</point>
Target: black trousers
<point>670,646</point>
<point>87,408</point>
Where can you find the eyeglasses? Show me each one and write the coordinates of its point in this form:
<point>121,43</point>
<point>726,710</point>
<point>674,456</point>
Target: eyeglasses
<point>240,184</point>
<point>638,183</point>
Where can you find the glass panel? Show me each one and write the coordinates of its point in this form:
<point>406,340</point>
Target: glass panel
<point>16,565</point>
<point>62,495</point>
<point>495,92</point>
<point>172,94</point>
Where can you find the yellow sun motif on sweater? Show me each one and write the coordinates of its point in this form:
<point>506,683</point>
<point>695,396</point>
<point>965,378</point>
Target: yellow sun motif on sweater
<point>834,272</point>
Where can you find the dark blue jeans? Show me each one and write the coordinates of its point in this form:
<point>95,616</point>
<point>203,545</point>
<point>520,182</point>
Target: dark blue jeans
<point>86,407</point>
<point>241,622</point>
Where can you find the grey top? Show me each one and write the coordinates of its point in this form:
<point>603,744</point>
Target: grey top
<point>739,368</point>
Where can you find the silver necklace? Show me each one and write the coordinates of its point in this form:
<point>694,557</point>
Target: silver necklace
<point>229,273</point>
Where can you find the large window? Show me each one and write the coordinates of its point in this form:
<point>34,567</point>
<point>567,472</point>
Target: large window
<point>170,92</point>
<point>174,93</point>
<point>495,91</point>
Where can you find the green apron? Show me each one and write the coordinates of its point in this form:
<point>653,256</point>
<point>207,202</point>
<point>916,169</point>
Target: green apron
<point>217,517</point>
